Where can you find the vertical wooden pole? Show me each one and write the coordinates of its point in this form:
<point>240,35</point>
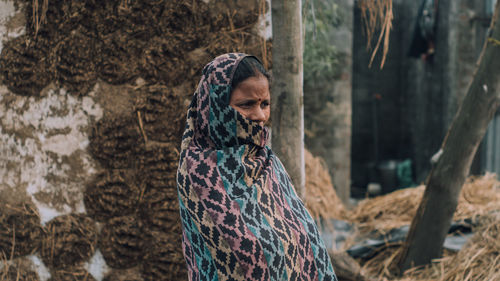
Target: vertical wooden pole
<point>287,111</point>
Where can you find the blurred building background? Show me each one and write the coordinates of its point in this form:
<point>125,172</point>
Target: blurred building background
<point>403,111</point>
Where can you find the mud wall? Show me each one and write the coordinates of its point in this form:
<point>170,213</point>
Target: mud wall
<point>92,104</point>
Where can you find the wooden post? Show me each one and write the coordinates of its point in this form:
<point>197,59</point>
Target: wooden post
<point>287,111</point>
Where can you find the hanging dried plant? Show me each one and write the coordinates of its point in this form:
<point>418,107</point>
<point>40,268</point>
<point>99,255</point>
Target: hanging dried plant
<point>39,13</point>
<point>376,16</point>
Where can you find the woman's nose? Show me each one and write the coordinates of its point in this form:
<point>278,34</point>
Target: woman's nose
<point>258,115</point>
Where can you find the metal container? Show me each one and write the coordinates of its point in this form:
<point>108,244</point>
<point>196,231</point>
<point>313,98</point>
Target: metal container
<point>388,177</point>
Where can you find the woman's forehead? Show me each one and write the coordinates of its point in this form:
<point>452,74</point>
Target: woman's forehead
<point>252,87</point>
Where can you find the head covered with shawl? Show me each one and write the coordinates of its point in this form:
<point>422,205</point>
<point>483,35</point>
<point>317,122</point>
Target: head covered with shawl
<point>241,217</point>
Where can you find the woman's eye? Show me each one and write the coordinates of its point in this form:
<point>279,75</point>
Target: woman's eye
<point>246,104</point>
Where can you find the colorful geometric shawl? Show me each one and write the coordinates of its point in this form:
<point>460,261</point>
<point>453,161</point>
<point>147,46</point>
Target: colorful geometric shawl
<point>241,217</point>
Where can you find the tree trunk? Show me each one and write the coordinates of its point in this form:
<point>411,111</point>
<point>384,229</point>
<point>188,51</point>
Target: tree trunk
<point>435,213</point>
<point>287,113</point>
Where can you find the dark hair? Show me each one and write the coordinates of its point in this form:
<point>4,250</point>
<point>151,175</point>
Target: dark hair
<point>248,67</point>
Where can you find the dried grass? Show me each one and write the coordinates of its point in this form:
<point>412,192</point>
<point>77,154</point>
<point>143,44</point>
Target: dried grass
<point>479,259</point>
<point>123,242</point>
<point>480,195</point>
<point>75,273</point>
<point>131,274</point>
<point>112,193</point>
<point>377,15</point>
<point>321,199</point>
<point>18,270</point>
<point>39,13</point>
<point>165,260</point>
<point>20,230</point>
<point>388,211</point>
<point>69,240</point>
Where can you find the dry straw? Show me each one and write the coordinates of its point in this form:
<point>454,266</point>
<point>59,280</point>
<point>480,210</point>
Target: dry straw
<point>479,259</point>
<point>389,211</point>
<point>20,230</point>
<point>376,15</point>
<point>19,270</point>
<point>69,240</point>
<point>480,195</point>
<point>321,199</point>
<point>39,13</point>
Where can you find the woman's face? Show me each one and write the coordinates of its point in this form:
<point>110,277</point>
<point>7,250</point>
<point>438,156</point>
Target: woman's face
<point>252,99</point>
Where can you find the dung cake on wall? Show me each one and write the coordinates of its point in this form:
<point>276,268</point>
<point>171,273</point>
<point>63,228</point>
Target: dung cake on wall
<point>93,96</point>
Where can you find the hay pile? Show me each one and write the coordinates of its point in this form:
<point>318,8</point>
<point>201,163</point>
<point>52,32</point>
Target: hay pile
<point>388,211</point>
<point>479,199</point>
<point>321,199</point>
<point>479,196</point>
<point>478,260</point>
<point>323,203</point>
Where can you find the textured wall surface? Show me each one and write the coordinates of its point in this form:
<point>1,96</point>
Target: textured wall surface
<point>92,107</point>
<point>44,148</point>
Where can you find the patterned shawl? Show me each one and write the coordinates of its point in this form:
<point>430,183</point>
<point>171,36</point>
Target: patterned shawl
<point>241,217</point>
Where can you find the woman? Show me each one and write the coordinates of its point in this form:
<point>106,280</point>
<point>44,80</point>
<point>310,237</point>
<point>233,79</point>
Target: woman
<point>241,217</point>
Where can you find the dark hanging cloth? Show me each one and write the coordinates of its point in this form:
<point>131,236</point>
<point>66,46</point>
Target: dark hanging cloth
<point>425,30</point>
